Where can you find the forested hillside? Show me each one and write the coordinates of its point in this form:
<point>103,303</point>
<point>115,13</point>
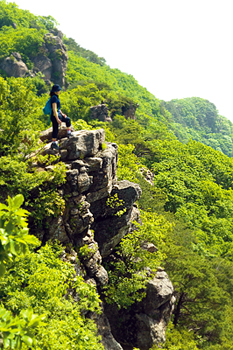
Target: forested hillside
<point>187,212</point>
<point>198,119</point>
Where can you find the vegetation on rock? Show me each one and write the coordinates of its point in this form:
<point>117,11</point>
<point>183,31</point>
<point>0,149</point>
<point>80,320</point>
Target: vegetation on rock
<point>187,214</point>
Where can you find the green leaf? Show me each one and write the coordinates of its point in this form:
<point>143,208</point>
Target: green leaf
<point>3,207</point>
<point>6,343</point>
<point>3,312</point>
<point>9,227</point>
<point>21,212</point>
<point>3,236</point>
<point>18,247</point>
<point>12,247</point>
<point>36,320</point>
<point>27,340</point>
<point>30,239</point>
<point>18,201</point>
<point>24,248</point>
<point>27,314</point>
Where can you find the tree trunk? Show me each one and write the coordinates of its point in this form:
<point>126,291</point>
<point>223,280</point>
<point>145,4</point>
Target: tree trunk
<point>177,309</point>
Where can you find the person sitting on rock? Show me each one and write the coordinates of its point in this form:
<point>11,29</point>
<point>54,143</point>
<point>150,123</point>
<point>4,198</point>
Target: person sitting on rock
<point>57,116</point>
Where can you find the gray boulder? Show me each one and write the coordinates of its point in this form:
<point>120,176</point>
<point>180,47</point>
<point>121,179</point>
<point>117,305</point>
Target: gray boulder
<point>145,323</point>
<point>57,53</point>
<point>46,135</point>
<point>104,330</point>
<point>14,66</point>
<point>100,112</point>
<point>52,60</point>
<point>83,144</point>
<point>129,111</point>
<point>44,65</point>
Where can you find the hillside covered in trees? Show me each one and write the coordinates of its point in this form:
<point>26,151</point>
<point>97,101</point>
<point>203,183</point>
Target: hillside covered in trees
<point>187,213</point>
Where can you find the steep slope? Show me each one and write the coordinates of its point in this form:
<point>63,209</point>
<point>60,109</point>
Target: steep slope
<point>190,118</point>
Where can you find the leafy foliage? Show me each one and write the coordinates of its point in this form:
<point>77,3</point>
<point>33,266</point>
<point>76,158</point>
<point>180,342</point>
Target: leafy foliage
<point>10,14</point>
<point>178,339</point>
<point>132,265</point>
<point>14,241</point>
<point>14,237</point>
<point>198,119</point>
<point>187,214</point>
<point>19,120</point>
<point>80,51</point>
<point>19,330</point>
<point>40,281</point>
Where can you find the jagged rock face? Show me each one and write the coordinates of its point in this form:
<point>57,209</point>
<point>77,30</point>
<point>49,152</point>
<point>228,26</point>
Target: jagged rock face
<point>145,323</point>
<point>46,135</point>
<point>100,112</point>
<point>130,111</point>
<point>14,66</point>
<point>57,53</point>
<point>109,229</point>
<point>90,178</point>
<point>90,223</point>
<point>53,62</point>
<point>104,329</point>
<point>148,175</point>
<point>44,65</point>
<point>154,311</point>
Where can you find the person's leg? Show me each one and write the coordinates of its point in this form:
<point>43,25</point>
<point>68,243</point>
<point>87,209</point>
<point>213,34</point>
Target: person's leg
<point>68,123</point>
<point>54,133</point>
<point>55,128</point>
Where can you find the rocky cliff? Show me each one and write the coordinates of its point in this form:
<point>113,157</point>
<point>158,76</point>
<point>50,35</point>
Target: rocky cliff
<point>51,61</point>
<point>88,221</point>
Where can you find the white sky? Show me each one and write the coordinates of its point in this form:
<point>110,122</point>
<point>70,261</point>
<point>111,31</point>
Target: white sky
<point>174,48</point>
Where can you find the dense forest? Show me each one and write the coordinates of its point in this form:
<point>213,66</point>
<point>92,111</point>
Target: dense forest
<point>187,213</point>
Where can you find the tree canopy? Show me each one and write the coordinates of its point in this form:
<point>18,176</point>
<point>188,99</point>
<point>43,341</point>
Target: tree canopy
<point>187,211</point>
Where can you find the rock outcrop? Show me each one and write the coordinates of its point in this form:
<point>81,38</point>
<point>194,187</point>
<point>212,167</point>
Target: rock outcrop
<point>90,225</point>
<point>51,61</point>
<point>13,66</point>
<point>148,176</point>
<point>129,111</point>
<point>100,112</point>
<point>145,323</point>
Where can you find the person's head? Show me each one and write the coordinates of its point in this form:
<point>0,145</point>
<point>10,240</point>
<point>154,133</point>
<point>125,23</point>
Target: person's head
<point>56,89</point>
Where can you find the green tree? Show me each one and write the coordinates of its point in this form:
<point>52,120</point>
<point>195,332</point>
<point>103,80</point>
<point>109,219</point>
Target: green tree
<point>14,241</point>
<point>129,265</point>
<point>14,238</point>
<point>18,110</point>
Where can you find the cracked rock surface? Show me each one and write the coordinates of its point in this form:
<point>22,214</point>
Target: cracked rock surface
<point>91,227</point>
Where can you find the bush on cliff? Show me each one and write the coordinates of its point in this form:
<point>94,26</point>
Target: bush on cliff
<point>36,309</point>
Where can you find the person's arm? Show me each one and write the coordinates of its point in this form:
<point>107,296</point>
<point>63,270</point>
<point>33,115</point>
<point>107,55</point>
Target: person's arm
<point>54,107</point>
<point>63,114</point>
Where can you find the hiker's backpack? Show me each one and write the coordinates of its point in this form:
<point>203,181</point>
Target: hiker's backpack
<point>48,107</point>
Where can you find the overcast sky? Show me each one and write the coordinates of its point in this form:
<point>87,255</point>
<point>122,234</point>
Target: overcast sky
<point>174,48</point>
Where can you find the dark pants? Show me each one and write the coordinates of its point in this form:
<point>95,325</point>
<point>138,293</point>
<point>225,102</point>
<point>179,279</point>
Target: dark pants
<point>55,124</point>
